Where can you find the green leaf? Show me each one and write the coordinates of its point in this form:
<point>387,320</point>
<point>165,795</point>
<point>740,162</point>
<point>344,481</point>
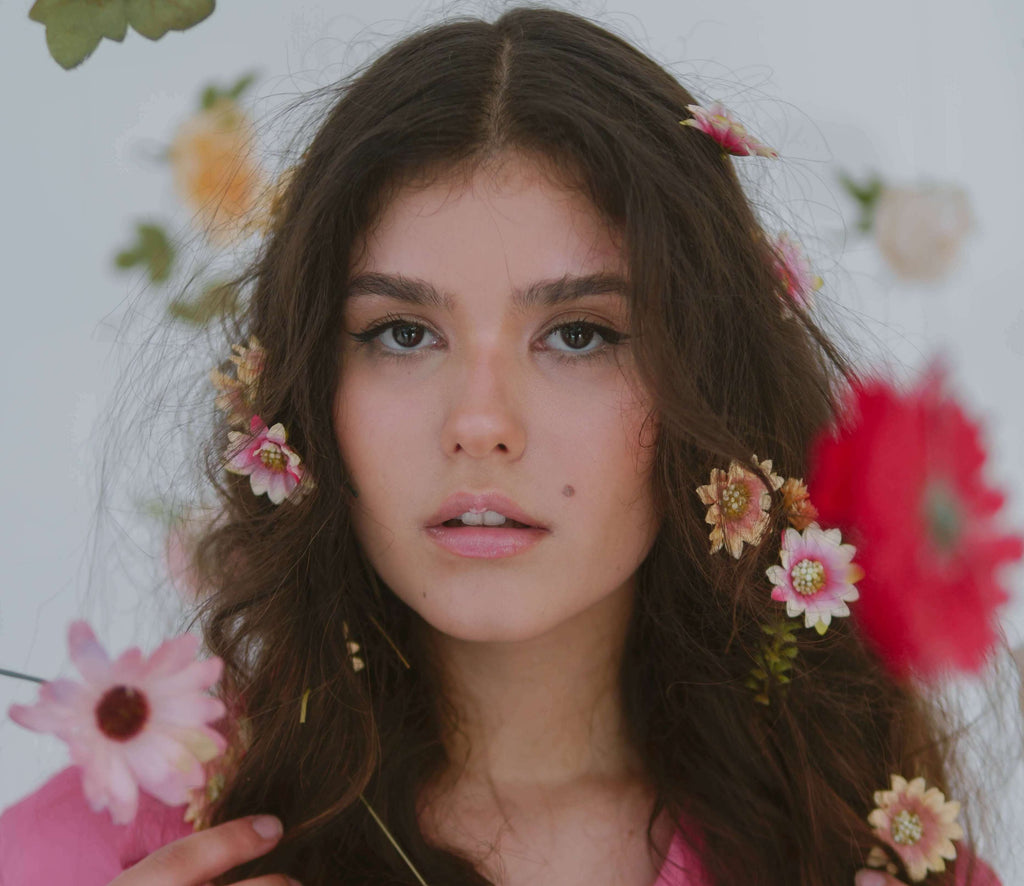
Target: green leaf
<point>242,84</point>
<point>152,248</point>
<point>866,195</point>
<point>216,300</point>
<point>209,97</point>
<point>74,28</point>
<point>154,18</point>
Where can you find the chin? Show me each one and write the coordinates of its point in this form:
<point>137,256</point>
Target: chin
<point>504,615</point>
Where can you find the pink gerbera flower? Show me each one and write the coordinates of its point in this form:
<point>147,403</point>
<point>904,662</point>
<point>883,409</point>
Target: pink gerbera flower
<point>729,134</point>
<point>798,279</point>
<point>272,466</point>
<point>918,824</point>
<point>134,722</point>
<point>903,475</point>
<point>739,503</point>
<point>816,577</point>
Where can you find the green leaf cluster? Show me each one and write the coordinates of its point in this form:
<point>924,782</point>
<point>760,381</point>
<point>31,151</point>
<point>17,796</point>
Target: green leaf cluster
<point>216,300</point>
<point>152,249</point>
<point>866,195</point>
<point>74,28</point>
<point>213,93</point>
<point>774,662</point>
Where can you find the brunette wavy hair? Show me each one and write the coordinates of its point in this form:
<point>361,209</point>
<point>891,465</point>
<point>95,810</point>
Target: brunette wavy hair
<point>778,795</point>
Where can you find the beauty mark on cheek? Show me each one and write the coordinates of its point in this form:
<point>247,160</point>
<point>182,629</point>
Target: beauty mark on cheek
<point>568,491</point>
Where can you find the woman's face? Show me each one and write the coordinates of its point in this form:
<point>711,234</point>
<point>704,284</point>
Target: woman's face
<point>487,378</point>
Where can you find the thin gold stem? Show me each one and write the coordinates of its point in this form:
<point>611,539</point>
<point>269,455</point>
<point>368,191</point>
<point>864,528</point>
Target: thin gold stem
<point>394,842</point>
<point>390,641</point>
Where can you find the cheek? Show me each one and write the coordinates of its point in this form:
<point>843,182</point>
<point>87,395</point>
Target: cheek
<point>376,426</point>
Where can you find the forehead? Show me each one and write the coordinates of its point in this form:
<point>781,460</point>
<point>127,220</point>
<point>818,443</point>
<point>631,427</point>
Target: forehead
<point>506,223</point>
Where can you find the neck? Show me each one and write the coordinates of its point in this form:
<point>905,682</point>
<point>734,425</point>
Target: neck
<point>542,712</point>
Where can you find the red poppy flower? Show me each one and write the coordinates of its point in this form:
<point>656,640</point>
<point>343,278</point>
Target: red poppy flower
<point>902,477</point>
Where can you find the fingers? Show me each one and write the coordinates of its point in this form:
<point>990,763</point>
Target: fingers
<point>200,857</point>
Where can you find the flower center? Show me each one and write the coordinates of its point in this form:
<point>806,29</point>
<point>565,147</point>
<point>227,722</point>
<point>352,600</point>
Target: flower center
<point>942,515</point>
<point>122,712</point>
<point>273,458</point>
<point>734,499</point>
<point>906,828</point>
<point>808,577</point>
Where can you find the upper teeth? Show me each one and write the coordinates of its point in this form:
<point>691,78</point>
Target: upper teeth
<point>485,518</point>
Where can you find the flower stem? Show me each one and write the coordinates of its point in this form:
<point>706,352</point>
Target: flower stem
<point>20,676</point>
<point>394,842</point>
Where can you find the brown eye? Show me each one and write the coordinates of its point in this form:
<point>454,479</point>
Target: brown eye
<point>577,335</point>
<point>407,335</point>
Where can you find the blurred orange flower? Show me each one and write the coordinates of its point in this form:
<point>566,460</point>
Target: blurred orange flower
<point>215,172</point>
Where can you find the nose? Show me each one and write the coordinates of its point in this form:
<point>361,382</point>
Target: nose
<point>485,411</point>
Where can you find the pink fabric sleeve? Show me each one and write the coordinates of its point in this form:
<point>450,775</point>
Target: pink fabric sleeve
<point>53,837</point>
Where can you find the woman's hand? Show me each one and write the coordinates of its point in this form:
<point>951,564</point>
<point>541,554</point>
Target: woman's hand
<point>198,858</point>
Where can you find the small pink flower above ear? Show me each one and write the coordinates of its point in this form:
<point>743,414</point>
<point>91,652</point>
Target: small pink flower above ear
<point>264,455</point>
<point>132,722</point>
<point>729,133</point>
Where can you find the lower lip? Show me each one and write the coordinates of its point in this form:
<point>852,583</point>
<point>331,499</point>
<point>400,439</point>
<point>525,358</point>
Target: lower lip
<point>485,544</point>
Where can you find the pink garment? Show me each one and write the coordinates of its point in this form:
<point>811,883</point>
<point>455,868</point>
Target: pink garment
<point>53,837</point>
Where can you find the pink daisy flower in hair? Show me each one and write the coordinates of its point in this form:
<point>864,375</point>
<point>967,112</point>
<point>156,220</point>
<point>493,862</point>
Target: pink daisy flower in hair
<point>134,722</point>
<point>816,577</point>
<point>730,134</point>
<point>798,280</point>
<point>739,502</point>
<point>918,823</point>
<point>272,466</point>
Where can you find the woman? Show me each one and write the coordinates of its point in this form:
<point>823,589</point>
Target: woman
<point>510,317</point>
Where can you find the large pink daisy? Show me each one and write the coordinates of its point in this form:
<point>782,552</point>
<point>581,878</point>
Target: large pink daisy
<point>134,722</point>
<point>816,577</point>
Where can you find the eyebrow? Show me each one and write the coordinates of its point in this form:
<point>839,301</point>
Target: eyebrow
<point>546,293</point>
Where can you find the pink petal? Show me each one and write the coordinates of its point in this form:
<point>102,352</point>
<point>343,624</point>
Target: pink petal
<point>190,710</point>
<point>129,669</point>
<point>173,655</point>
<point>39,718</point>
<point>108,783</point>
<point>87,654</point>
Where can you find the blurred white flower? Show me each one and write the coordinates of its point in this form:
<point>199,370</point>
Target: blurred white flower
<point>919,230</point>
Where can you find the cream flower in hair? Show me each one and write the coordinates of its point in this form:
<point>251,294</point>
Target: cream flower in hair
<point>739,503</point>
<point>918,823</point>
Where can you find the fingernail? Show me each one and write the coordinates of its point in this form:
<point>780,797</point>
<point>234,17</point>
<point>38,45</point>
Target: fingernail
<point>268,826</point>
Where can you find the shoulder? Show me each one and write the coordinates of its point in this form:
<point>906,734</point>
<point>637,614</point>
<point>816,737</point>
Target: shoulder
<point>52,836</point>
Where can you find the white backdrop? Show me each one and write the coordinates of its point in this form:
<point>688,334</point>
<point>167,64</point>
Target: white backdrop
<point>917,89</point>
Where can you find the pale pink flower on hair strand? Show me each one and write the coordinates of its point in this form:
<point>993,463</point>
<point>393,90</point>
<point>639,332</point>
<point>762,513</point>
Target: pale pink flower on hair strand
<point>798,280</point>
